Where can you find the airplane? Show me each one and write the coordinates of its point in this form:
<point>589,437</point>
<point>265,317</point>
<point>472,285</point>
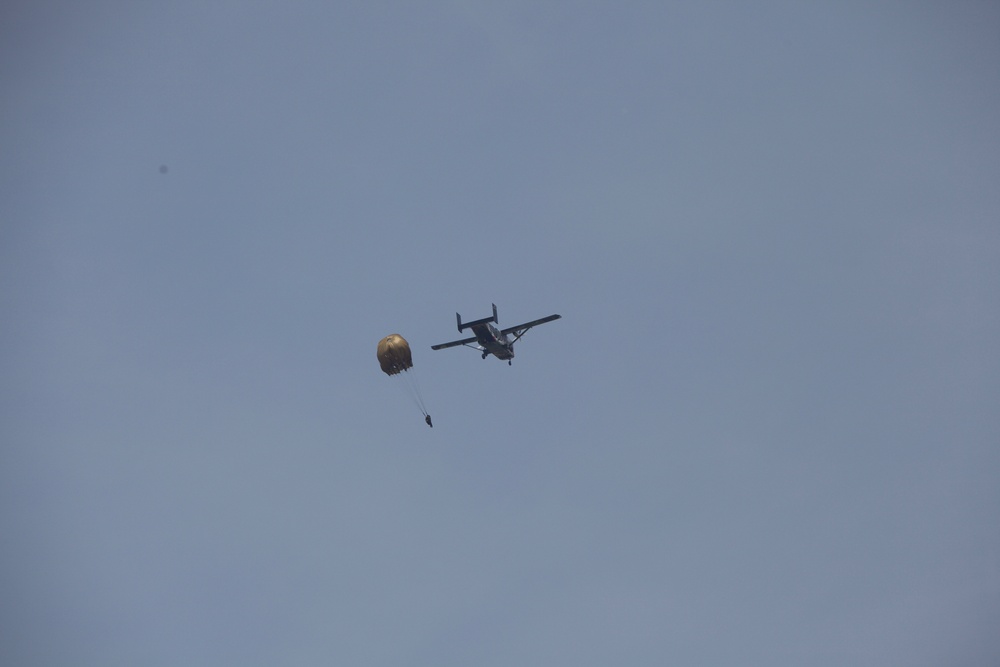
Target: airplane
<point>490,339</point>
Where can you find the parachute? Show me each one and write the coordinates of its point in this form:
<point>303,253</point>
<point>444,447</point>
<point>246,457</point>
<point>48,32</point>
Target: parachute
<point>394,354</point>
<point>395,358</point>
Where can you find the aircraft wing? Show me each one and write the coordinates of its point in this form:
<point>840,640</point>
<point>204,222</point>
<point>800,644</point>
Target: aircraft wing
<point>521,328</point>
<point>454,343</point>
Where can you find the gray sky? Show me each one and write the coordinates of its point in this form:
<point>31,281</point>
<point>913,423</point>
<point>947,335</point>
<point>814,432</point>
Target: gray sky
<point>765,431</point>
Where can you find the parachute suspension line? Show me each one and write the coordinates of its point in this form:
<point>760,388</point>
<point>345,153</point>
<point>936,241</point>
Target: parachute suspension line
<point>410,378</point>
<point>406,388</point>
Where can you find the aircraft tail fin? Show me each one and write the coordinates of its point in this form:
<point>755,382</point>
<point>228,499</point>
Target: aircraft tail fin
<point>462,327</point>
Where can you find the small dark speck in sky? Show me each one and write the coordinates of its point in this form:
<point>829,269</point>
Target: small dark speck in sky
<point>163,169</point>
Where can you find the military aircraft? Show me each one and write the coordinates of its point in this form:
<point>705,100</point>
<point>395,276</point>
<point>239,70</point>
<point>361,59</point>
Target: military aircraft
<point>490,339</point>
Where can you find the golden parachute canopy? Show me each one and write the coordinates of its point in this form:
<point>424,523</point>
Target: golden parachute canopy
<point>394,354</point>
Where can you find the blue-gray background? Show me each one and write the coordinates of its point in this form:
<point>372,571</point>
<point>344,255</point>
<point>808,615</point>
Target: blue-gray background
<point>765,431</point>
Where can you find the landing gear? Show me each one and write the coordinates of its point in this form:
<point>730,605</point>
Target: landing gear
<point>484,354</point>
<point>509,362</point>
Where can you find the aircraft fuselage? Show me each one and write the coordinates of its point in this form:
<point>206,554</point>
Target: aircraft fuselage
<point>493,341</point>
<point>489,338</point>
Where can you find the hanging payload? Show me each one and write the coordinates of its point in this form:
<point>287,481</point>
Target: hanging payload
<point>395,358</point>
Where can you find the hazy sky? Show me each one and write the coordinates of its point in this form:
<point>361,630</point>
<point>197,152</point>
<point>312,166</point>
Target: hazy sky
<point>765,432</point>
